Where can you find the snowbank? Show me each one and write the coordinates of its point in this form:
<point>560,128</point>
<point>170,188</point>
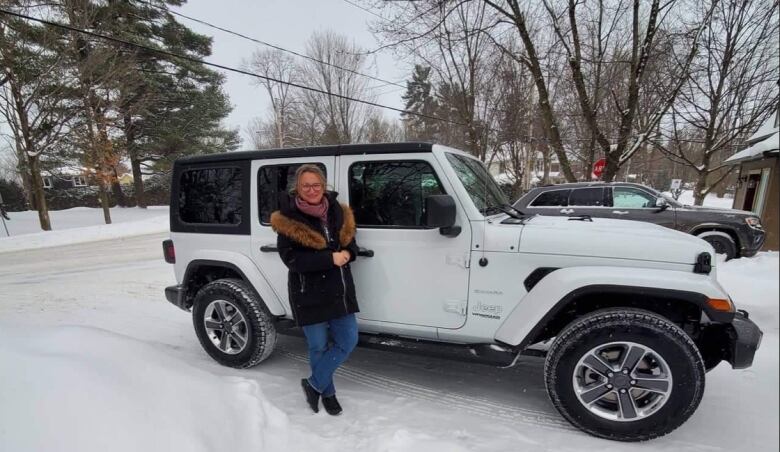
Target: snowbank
<point>754,285</point>
<point>81,225</point>
<point>87,389</point>
<point>711,200</point>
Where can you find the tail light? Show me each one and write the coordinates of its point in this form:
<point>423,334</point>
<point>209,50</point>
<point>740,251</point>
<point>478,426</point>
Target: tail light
<point>169,251</point>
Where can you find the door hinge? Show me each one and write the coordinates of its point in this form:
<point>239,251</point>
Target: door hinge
<point>456,307</point>
<point>461,261</point>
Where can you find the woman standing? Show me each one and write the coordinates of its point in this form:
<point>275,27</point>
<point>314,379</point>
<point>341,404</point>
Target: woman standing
<point>316,241</point>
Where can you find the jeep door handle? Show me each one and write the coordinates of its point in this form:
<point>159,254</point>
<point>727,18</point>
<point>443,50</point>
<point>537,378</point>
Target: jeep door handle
<point>365,253</point>
<point>567,211</point>
<point>620,212</point>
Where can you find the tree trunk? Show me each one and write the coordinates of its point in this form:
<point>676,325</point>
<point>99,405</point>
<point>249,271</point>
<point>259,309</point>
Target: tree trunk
<point>24,172</point>
<point>546,165</point>
<point>534,66</point>
<point>138,183</point>
<point>104,202</point>
<point>135,162</point>
<point>699,191</point>
<point>116,189</point>
<point>38,194</point>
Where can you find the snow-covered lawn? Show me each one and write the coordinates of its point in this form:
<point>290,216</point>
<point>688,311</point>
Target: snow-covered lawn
<point>78,225</point>
<point>711,200</point>
<point>93,358</point>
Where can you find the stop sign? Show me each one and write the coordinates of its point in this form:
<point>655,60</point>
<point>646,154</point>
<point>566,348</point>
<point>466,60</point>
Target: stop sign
<point>598,167</point>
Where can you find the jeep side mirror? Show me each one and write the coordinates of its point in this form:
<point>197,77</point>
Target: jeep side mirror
<point>440,213</point>
<point>661,204</point>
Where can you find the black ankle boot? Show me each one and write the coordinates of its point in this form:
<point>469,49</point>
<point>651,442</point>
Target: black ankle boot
<point>331,405</point>
<point>312,396</point>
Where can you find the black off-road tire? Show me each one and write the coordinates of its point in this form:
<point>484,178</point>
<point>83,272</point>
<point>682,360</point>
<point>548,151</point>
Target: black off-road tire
<point>648,329</point>
<point>261,329</point>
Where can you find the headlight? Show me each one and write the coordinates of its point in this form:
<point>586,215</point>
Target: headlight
<point>753,222</point>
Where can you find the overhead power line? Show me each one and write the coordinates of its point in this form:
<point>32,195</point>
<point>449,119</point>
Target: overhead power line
<point>220,66</point>
<point>267,44</point>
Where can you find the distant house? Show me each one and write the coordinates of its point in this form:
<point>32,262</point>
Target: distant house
<point>758,189</point>
<point>66,179</point>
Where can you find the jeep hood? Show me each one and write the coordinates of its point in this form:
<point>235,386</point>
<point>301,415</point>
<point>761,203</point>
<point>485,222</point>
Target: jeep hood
<point>607,238</point>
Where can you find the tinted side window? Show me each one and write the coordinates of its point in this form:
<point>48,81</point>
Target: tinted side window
<point>210,196</point>
<point>631,198</point>
<point>552,198</point>
<point>273,180</point>
<point>587,197</point>
<point>391,193</point>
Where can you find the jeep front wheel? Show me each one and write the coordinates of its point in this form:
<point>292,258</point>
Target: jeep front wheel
<point>624,374</point>
<point>232,324</point>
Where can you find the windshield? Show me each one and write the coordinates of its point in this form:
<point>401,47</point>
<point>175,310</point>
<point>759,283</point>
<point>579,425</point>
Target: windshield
<point>480,185</point>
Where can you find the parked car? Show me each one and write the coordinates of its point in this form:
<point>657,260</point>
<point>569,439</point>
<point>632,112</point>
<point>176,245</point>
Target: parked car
<point>734,233</point>
<point>632,313</point>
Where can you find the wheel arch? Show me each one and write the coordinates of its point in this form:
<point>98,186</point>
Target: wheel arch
<point>678,306</point>
<point>716,227</point>
<point>566,293</point>
<point>200,272</point>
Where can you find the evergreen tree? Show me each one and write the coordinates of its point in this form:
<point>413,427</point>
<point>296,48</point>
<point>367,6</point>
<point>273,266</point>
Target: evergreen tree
<point>419,98</point>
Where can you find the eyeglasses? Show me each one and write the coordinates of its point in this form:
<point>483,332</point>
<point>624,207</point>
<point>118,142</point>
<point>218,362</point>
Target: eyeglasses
<point>311,187</point>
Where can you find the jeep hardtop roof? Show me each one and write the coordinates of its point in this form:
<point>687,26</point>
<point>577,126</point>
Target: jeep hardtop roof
<point>313,151</point>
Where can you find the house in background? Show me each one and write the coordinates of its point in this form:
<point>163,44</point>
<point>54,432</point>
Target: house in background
<point>758,189</point>
<point>66,178</point>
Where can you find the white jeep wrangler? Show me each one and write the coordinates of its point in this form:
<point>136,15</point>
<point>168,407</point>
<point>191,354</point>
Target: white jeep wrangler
<point>629,315</point>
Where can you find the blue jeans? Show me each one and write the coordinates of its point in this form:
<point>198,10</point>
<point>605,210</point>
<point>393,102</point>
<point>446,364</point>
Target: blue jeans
<point>330,343</point>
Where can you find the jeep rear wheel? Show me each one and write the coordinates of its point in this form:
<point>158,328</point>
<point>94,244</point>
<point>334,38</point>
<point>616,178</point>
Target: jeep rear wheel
<point>232,324</point>
<point>624,374</point>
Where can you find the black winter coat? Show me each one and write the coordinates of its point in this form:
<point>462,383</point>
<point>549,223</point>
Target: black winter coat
<point>319,290</point>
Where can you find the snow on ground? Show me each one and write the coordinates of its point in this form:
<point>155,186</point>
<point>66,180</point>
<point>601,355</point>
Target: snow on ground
<point>78,225</point>
<point>711,200</point>
<point>93,358</point>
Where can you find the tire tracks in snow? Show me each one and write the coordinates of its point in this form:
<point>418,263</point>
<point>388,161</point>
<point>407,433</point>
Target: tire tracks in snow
<point>474,405</point>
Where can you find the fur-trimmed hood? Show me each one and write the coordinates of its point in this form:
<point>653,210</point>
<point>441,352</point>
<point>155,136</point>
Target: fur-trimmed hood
<point>304,234</point>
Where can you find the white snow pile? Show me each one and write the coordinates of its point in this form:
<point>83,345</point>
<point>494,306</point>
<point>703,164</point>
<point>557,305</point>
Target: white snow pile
<point>87,389</point>
<point>80,225</point>
<point>753,285</point>
<point>711,200</point>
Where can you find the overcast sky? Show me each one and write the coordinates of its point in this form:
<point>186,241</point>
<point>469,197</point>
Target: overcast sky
<point>286,24</point>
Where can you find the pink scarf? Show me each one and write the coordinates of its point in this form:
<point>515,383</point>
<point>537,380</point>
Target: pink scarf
<point>316,210</point>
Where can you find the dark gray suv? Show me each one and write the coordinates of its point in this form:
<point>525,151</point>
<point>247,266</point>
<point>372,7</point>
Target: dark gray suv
<point>735,233</point>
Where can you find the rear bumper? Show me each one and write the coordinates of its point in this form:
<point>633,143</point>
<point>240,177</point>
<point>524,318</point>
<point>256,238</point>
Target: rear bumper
<point>744,339</point>
<point>175,294</point>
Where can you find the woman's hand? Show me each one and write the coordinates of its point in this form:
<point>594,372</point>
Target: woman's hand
<point>341,258</point>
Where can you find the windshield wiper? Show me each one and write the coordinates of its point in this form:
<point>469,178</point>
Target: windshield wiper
<point>505,208</point>
<point>508,209</point>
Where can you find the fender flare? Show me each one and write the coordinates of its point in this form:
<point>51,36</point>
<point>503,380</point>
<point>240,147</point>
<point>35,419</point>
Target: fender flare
<point>718,227</point>
<point>561,287</point>
<point>248,272</point>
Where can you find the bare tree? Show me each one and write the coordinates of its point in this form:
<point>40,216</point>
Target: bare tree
<point>585,63</point>
<point>280,66</point>
<point>341,120</point>
<point>731,91</point>
<point>449,39</point>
